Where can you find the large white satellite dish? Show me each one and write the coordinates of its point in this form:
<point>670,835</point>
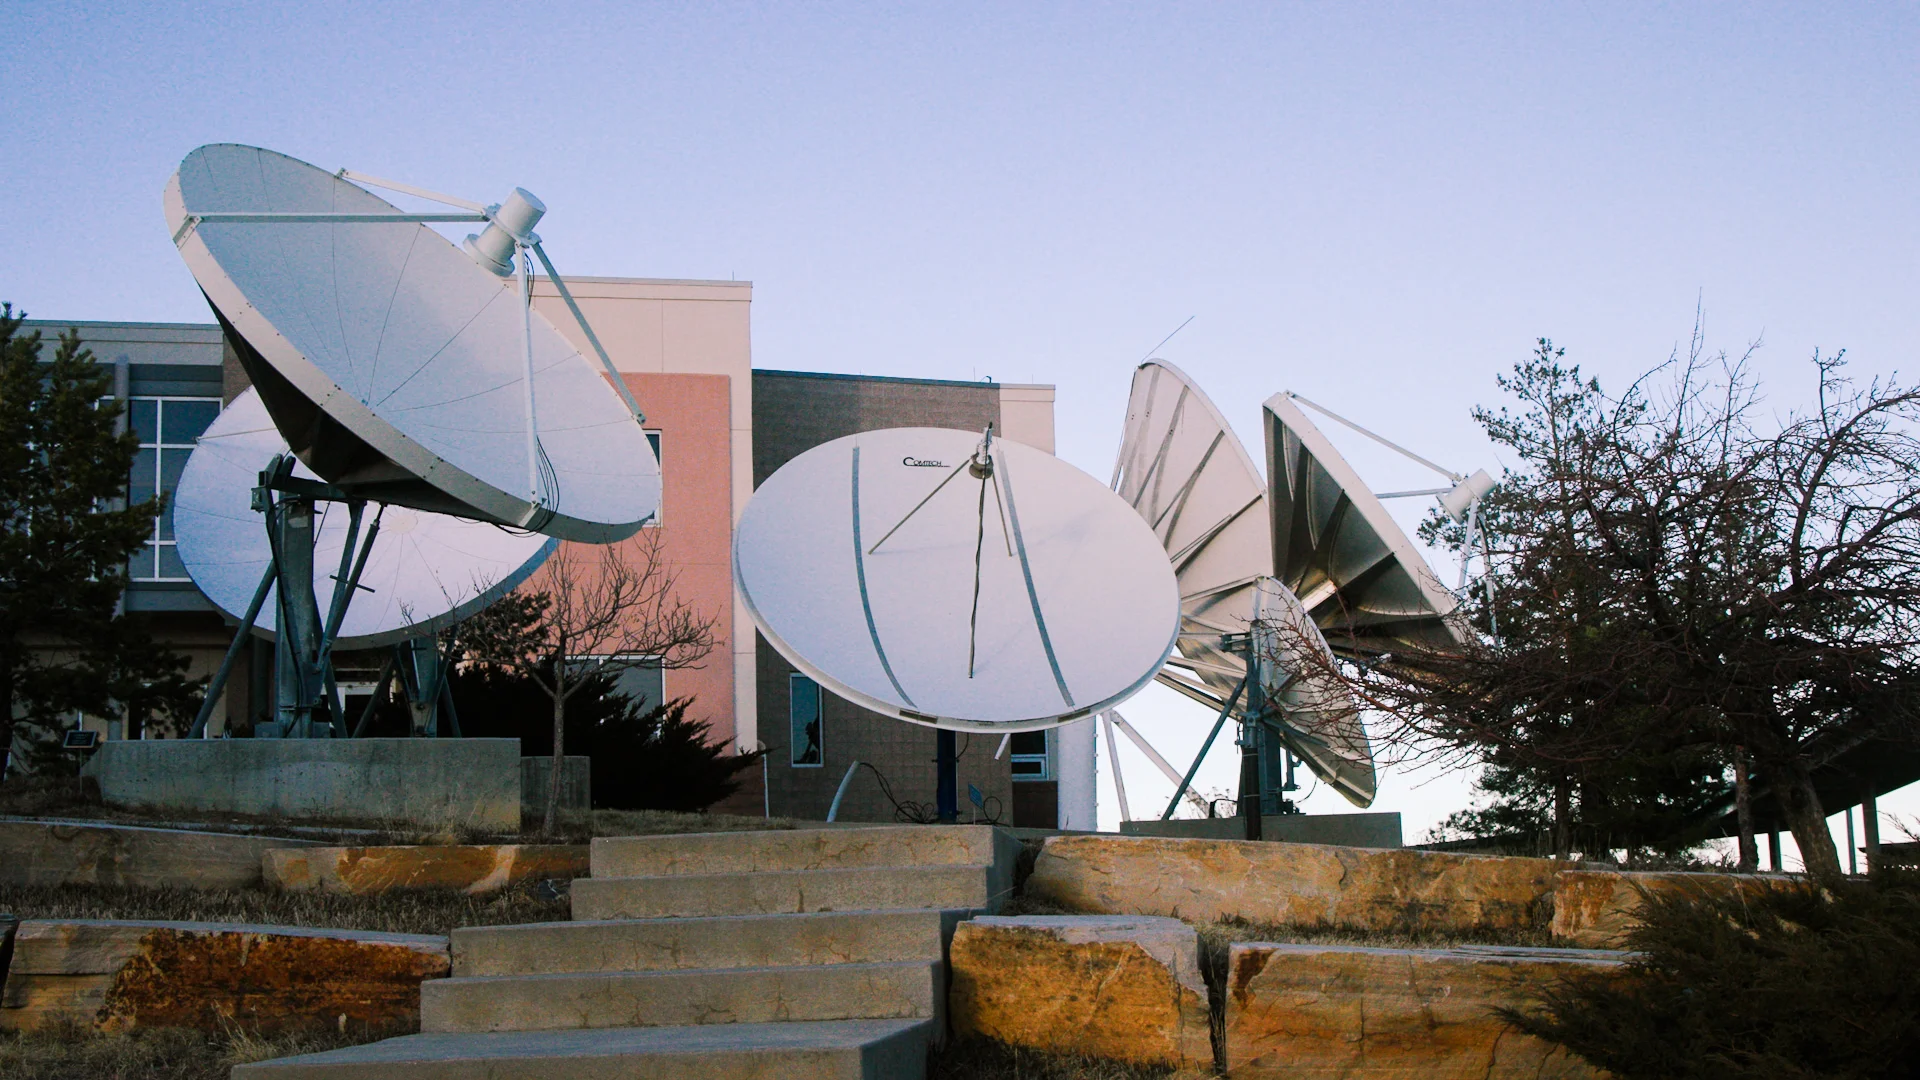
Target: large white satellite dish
<point>394,363</point>
<point>1019,595</point>
<point>1189,476</point>
<point>1337,549</point>
<point>423,571</point>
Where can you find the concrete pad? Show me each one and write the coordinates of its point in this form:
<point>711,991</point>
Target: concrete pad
<point>119,975</point>
<point>1331,1012</point>
<point>779,892</point>
<point>576,784</point>
<point>686,944</point>
<point>827,1050</point>
<point>1294,884</point>
<point>475,869</point>
<point>68,853</point>
<point>456,783</point>
<point>1594,909</point>
<point>804,849</point>
<point>1114,986</point>
<point>909,990</point>
<point>1374,830</point>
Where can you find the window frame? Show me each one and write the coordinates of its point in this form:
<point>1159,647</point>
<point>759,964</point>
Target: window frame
<point>151,550</point>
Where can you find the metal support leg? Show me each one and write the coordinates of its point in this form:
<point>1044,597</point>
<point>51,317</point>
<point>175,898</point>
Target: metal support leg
<point>1218,723</point>
<point>241,637</point>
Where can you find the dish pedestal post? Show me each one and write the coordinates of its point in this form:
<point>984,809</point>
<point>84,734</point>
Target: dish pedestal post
<point>1252,735</point>
<point>946,763</point>
<point>297,620</point>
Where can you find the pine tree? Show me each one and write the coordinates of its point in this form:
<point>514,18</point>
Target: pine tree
<point>65,538</point>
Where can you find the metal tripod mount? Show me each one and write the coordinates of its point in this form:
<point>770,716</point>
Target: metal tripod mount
<point>1266,766</point>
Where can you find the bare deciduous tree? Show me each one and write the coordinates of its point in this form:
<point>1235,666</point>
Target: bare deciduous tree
<point>591,609</point>
<point>1679,575</point>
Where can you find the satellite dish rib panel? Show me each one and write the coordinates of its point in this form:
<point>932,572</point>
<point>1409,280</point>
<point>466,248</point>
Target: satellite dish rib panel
<point>1339,551</point>
<point>1319,718</point>
<point>857,561</point>
<point>394,364</point>
<point>1190,478</point>
<point>426,571</point>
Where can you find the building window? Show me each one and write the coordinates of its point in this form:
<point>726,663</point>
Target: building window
<point>653,440</point>
<point>805,748</point>
<point>167,427</point>
<point>640,678</point>
<point>1028,752</point>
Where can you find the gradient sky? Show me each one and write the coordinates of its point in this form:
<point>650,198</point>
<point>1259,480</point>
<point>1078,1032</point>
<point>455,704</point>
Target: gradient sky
<point>1378,206</point>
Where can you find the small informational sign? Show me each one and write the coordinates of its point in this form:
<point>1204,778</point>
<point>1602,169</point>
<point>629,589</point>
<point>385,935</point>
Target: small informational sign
<point>975,797</point>
<point>79,739</point>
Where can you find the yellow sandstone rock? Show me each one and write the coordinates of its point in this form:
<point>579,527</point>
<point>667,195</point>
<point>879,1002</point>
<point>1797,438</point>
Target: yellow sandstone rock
<point>1594,909</point>
<point>1308,1012</point>
<point>473,869</point>
<point>1123,988</point>
<point>1294,884</point>
<point>117,975</point>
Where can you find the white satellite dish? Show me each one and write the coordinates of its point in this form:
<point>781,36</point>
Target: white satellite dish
<point>423,571</point>
<point>399,369</point>
<point>1189,476</point>
<point>1021,595</point>
<point>1337,549</point>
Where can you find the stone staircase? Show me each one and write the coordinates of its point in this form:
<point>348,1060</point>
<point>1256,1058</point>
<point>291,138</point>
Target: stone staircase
<point>796,954</point>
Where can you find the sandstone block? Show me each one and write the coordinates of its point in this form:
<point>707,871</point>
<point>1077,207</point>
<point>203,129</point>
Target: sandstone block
<point>119,975</point>
<point>1294,884</point>
<point>1594,909</point>
<point>473,869</point>
<point>1127,988</point>
<point>1307,1012</point>
<point>74,853</point>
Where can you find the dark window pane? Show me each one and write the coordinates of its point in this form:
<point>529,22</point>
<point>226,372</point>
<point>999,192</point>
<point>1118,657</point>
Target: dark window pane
<point>643,685</point>
<point>145,471</point>
<point>140,567</point>
<point>170,564</point>
<point>803,720</point>
<point>166,523</point>
<point>1029,742</point>
<point>653,440</point>
<point>172,463</point>
<point>146,419</point>
<point>184,421</point>
<point>1029,768</point>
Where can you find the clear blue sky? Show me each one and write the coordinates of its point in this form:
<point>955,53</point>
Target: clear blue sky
<point>1378,206</point>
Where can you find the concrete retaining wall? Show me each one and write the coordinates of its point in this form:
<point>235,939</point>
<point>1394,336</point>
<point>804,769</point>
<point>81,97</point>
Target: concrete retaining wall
<point>116,976</point>
<point>1294,884</point>
<point>473,869</point>
<point>1351,830</point>
<point>61,853</point>
<point>472,783</point>
<point>576,784</point>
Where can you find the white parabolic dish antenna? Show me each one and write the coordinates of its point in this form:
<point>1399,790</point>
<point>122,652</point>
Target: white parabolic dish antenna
<point>425,571</point>
<point>394,364</point>
<point>859,560</point>
<point>1338,550</point>
<point>1189,476</point>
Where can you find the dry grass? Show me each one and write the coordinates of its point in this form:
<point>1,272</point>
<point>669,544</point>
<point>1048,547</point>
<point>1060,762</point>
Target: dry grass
<point>72,1052</point>
<point>411,911</point>
<point>986,1059</point>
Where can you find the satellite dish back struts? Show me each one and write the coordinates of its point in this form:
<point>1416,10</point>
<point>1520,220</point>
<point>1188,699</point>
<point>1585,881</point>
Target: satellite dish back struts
<point>1318,717</point>
<point>1337,549</point>
<point>423,571</point>
<point>1185,472</point>
<point>954,581</point>
<point>400,369</point>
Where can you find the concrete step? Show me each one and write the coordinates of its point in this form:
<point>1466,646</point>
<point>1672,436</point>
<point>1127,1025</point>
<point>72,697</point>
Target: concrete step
<point>804,849</point>
<point>831,1050</point>
<point>906,990</point>
<point>784,891</point>
<point>733,941</point>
